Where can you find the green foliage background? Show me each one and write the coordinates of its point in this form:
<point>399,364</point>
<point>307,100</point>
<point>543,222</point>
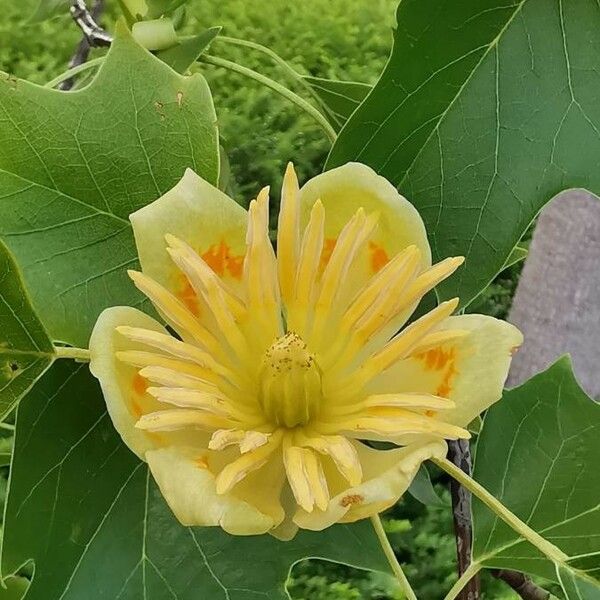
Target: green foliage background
<point>260,133</point>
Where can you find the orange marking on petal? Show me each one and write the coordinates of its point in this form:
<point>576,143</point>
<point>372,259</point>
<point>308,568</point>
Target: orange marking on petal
<point>140,384</point>
<point>220,259</point>
<point>328,246</point>
<point>187,295</point>
<point>438,359</point>
<point>351,499</point>
<point>201,462</point>
<point>430,413</point>
<point>136,409</point>
<point>379,257</point>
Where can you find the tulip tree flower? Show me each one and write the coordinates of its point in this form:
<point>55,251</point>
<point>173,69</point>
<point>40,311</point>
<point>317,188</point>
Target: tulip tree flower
<point>257,402</point>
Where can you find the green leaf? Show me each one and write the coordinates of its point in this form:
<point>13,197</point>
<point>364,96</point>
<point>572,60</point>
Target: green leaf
<point>577,586</point>
<point>158,8</point>
<point>73,166</point>
<point>339,98</point>
<point>516,256</point>
<point>15,588</point>
<point>538,453</point>
<point>479,118</point>
<point>85,510</point>
<point>46,9</point>
<point>25,349</point>
<point>182,56</point>
<point>422,489</point>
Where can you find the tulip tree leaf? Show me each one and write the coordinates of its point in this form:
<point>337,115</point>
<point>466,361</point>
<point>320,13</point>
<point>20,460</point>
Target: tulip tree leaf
<point>422,489</point>
<point>15,588</point>
<point>82,507</point>
<point>25,349</point>
<point>577,586</point>
<point>182,56</point>
<point>538,453</point>
<point>339,98</point>
<point>479,118</point>
<point>73,166</point>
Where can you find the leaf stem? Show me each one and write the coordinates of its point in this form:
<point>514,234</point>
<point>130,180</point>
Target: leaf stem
<point>550,550</point>
<point>462,581</point>
<point>78,354</point>
<point>274,57</point>
<point>276,87</point>
<point>391,556</point>
<point>74,71</point>
<point>7,426</point>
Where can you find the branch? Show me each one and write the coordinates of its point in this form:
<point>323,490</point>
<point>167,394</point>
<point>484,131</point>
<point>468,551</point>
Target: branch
<point>521,584</point>
<point>94,34</point>
<point>83,48</point>
<point>460,454</point>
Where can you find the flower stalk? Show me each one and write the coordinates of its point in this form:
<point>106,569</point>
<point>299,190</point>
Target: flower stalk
<point>391,557</point>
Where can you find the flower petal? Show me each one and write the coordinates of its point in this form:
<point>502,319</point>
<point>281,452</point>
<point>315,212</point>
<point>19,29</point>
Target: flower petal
<point>346,188</point>
<point>123,388</point>
<point>386,476</point>
<point>186,480</point>
<point>469,369</point>
<point>209,221</point>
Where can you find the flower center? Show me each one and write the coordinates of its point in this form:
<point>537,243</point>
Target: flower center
<point>290,382</point>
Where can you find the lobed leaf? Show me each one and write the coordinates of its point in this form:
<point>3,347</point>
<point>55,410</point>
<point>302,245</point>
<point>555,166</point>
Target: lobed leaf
<point>339,98</point>
<point>74,165</point>
<point>479,118</point>
<point>25,349</point>
<point>84,509</point>
<point>538,453</point>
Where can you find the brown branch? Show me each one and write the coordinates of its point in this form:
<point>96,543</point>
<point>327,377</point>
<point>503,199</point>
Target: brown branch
<point>94,34</point>
<point>83,48</point>
<point>521,584</point>
<point>459,453</point>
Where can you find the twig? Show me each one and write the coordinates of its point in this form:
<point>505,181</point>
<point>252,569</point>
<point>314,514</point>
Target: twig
<point>521,584</point>
<point>95,35</point>
<point>83,48</point>
<point>460,454</point>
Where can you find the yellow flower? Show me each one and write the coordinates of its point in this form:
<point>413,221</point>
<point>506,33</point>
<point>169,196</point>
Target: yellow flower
<point>249,408</point>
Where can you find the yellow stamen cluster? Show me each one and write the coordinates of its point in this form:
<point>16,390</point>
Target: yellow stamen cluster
<point>281,370</point>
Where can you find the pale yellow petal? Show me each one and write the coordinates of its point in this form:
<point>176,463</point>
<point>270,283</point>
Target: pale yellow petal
<point>123,388</point>
<point>206,219</point>
<point>186,479</point>
<point>386,477</point>
<point>342,191</point>
<point>469,370</point>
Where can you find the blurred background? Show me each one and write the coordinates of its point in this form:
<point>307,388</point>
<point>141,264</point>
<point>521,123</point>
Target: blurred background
<point>337,39</point>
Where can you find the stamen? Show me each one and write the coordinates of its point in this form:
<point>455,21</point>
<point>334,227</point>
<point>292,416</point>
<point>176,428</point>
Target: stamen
<point>180,418</point>
<point>351,240</point>
<point>413,401</point>
<point>223,438</point>
<point>401,422</point>
<point>260,270</point>
<point>308,269</point>
<point>295,468</point>
<point>169,344</point>
<point>186,398</point>
<point>216,303</point>
<point>251,461</point>
<point>173,378</point>
<point>340,450</point>
<point>316,478</point>
<point>141,359</point>
<point>197,271</point>
<point>288,233</point>
<point>398,347</point>
<point>174,311</point>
